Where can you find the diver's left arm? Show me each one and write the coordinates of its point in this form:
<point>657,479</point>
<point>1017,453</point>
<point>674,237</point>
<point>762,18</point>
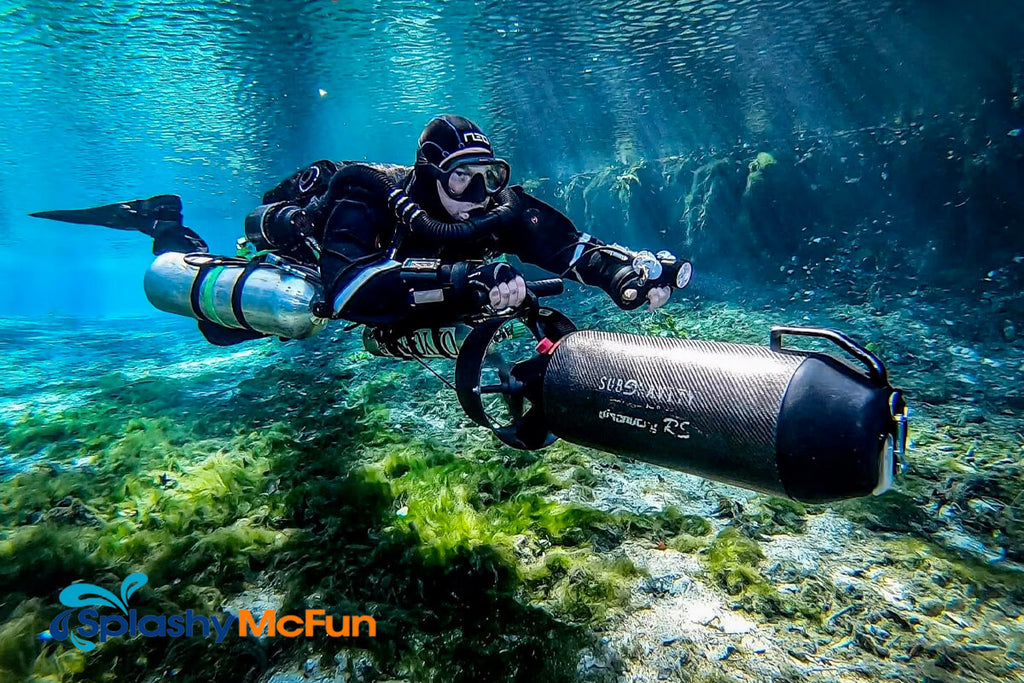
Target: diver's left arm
<point>547,238</point>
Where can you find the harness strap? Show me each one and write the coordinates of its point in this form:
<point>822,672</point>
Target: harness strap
<point>207,295</point>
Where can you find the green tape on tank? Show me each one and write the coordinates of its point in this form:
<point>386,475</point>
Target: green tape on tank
<point>206,296</point>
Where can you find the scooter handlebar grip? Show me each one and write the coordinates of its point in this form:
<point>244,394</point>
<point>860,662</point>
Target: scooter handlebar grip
<point>549,287</point>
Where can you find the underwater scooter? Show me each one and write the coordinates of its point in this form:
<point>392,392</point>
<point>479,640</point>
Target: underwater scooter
<point>801,424</point>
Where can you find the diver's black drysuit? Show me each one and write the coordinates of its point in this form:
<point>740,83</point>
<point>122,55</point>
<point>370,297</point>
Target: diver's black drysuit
<point>359,229</point>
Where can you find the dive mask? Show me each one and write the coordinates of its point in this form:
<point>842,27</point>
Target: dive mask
<point>473,178</point>
<point>466,180</point>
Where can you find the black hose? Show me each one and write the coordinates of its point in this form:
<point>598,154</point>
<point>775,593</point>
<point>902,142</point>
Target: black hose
<point>410,213</point>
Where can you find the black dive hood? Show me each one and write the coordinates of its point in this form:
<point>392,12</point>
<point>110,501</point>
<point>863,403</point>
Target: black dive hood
<point>410,214</point>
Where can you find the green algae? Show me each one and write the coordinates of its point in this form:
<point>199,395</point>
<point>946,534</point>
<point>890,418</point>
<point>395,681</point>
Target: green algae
<point>581,587</point>
<point>685,543</point>
<point>437,580</point>
<point>733,562</point>
<point>758,168</point>
<point>718,321</point>
<point>770,516</point>
<point>979,580</point>
<point>893,511</point>
<point>458,547</point>
<point>37,560</point>
<point>453,548</point>
<point>20,659</point>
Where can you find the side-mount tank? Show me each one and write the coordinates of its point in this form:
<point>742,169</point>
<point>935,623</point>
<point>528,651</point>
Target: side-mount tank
<point>269,294</point>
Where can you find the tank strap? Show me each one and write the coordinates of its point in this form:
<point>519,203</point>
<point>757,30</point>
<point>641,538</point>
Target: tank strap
<point>236,291</point>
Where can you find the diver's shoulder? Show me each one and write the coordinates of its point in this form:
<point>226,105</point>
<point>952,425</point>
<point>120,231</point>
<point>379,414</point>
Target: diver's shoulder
<point>395,172</point>
<point>356,188</point>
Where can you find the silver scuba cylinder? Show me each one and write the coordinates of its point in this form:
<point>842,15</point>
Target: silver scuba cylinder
<point>268,295</point>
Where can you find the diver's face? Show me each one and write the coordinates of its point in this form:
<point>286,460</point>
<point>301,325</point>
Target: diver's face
<point>461,210</point>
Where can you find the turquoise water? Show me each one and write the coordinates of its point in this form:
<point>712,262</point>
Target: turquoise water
<point>216,101</point>
<point>852,165</point>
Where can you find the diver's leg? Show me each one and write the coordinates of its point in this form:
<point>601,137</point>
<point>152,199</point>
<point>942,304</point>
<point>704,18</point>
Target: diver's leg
<point>158,217</point>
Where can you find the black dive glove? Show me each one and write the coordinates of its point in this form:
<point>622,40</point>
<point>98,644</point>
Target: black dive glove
<point>497,285</point>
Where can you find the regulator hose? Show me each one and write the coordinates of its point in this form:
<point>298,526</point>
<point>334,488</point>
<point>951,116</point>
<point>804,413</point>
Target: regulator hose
<point>409,212</point>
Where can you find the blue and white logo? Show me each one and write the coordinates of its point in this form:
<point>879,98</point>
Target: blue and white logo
<point>89,595</point>
<point>93,625</point>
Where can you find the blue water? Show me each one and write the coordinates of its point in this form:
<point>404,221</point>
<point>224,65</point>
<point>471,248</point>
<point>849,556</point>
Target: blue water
<point>217,100</point>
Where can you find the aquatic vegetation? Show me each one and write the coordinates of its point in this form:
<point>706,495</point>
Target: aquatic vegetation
<point>449,545</point>
<point>436,567</point>
<point>764,516</point>
<point>36,560</point>
<point>719,321</point>
<point>770,515</point>
<point>712,198</point>
<point>623,185</point>
<point>894,511</point>
<point>758,168</point>
<point>17,645</point>
<point>732,561</point>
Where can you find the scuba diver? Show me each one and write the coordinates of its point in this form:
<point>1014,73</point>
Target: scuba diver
<point>413,259</point>
<point>409,253</point>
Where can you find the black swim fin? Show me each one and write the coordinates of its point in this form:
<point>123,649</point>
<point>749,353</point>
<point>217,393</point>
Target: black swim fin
<point>143,215</point>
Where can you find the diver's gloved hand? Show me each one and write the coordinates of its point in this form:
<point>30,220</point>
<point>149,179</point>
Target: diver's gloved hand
<point>629,292</point>
<point>658,297</point>
<point>503,285</point>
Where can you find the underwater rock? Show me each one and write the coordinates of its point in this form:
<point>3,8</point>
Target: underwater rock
<point>932,607</point>
<point>777,209</point>
<point>722,653</point>
<point>754,644</point>
<point>971,415</point>
<point>597,665</point>
<point>1009,331</point>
